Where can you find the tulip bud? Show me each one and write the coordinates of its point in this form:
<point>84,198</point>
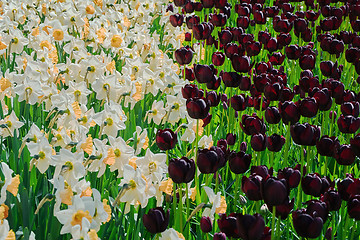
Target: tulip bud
<point>239,162</point>
<point>198,108</point>
<point>166,139</point>
<point>275,191</point>
<point>181,170</point>
<point>206,224</point>
<point>307,225</point>
<point>156,220</point>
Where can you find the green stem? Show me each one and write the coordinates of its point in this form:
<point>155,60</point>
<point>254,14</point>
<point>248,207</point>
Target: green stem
<point>197,186</point>
<point>273,223</point>
<point>287,146</point>
<point>180,208</point>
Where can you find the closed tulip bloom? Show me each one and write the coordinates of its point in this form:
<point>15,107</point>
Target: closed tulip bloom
<point>239,102</point>
<point>307,225</point>
<point>308,107</point>
<point>348,124</point>
<point>181,170</point>
<point>313,185</point>
<point>198,108</point>
<point>289,112</point>
<point>319,207</point>
<point>305,134</point>
<point>251,187</point>
<point>184,55</point>
<point>353,207</point>
<point>231,79</point>
<point>275,142</point>
<point>274,191</point>
<point>239,162</point>
<point>350,108</point>
<point>206,224</point>
<point>203,73</point>
<point>230,139</point>
<point>218,58</point>
<point>156,220</point>
<point>227,225</point>
<point>307,62</point>
<point>262,170</point>
<point>252,124</point>
<point>344,155</point>
<point>176,20</point>
<point>258,142</point>
<point>355,144</point>
<point>327,146</point>
<point>250,227</point>
<point>241,63</point>
<point>273,91</point>
<point>166,139</point>
<point>343,187</point>
<point>291,175</point>
<point>272,115</point>
<point>332,199</point>
<point>208,161</point>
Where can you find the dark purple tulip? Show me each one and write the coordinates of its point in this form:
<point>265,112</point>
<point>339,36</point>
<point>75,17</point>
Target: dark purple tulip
<point>307,225</point>
<point>184,55</point>
<point>230,139</point>
<point>245,83</point>
<point>323,98</point>
<point>202,31</point>
<point>239,102</point>
<point>176,20</point>
<point>213,98</point>
<point>319,207</point>
<point>197,108</point>
<point>204,73</point>
<point>251,187</point>
<point>225,36</point>
<point>354,187</point>
<point>277,58</point>
<point>272,45</point>
<point>208,161</point>
<point>239,162</point>
<point>252,124</point>
<point>262,170</point>
<point>287,95</point>
<point>258,142</point>
<point>259,17</point>
<point>166,139</point>
<point>273,91</point>
<point>243,22</point>
<point>350,108</point>
<point>208,3</point>
<point>189,74</point>
<point>227,225</point>
<point>156,220</point>
<point>232,48</point>
<point>275,142</point>
<point>344,155</point>
<point>293,52</point>
<point>189,7</point>
<point>353,207</point>
<point>284,209</point>
<point>289,112</point>
<point>307,62</point>
<point>192,21</point>
<point>343,187</point>
<point>272,115</point>
<point>218,58</point>
<point>231,79</point>
<point>219,236</point>
<point>348,124</point>
<point>206,224</point>
<point>250,227</point>
<point>219,20</point>
<point>282,25</point>
<point>181,170</point>
<point>253,48</point>
<point>274,191</point>
<point>291,175</point>
<point>191,91</point>
<point>241,63</point>
<point>308,107</point>
<point>327,146</point>
<point>313,185</point>
<point>332,199</point>
<point>352,54</point>
<point>305,134</point>
<point>355,145</point>
<point>180,3</point>
<point>283,40</point>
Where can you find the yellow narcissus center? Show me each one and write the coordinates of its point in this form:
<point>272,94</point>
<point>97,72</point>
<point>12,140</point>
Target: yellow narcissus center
<point>109,121</point>
<point>9,124</point>
<point>152,167</point>
<point>69,165</point>
<point>117,152</point>
<point>78,216</point>
<point>116,41</point>
<point>176,106</point>
<point>154,112</point>
<point>106,86</point>
<point>41,155</point>
<point>58,34</point>
<point>15,40</point>
<point>91,69</point>
<point>132,184</point>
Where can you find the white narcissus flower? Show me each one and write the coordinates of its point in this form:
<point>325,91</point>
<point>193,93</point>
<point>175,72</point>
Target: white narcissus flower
<point>10,125</point>
<point>153,166</point>
<point>29,90</point>
<point>175,106</point>
<point>171,234</point>
<point>99,157</point>
<point>206,142</point>
<point>80,213</point>
<point>157,112</point>
<point>217,201</point>
<point>106,88</point>
<point>101,214</point>
<point>41,151</point>
<point>136,188</point>
<point>7,181</point>
<point>109,120</point>
<point>122,154</point>
<point>69,165</point>
<point>190,131</point>
<point>4,229</point>
<point>142,140</point>
<point>79,92</point>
